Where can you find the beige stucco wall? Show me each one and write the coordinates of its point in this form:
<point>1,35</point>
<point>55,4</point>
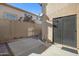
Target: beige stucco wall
<point>10,29</point>
<point>4,30</point>
<point>54,10</point>
<point>6,9</point>
<point>44,25</point>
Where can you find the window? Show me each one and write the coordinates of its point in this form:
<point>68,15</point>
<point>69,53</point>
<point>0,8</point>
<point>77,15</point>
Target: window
<point>9,16</point>
<point>1,7</point>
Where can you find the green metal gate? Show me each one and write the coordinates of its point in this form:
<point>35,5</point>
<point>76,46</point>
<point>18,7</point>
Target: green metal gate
<point>64,30</point>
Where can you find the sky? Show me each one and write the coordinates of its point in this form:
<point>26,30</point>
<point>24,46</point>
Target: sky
<point>31,7</point>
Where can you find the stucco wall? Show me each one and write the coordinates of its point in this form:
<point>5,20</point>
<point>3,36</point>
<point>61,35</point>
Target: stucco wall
<point>4,30</point>
<point>7,9</point>
<point>10,29</point>
<point>18,13</point>
<point>54,10</point>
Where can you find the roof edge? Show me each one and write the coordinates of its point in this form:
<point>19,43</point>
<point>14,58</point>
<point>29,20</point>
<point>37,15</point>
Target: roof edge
<point>17,8</point>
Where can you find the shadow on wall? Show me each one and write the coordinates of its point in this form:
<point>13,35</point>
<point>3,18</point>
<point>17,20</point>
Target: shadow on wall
<point>9,30</point>
<point>49,26</point>
<point>46,25</point>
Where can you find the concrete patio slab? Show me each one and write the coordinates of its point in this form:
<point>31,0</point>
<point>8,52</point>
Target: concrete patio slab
<point>57,51</point>
<point>26,46</point>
